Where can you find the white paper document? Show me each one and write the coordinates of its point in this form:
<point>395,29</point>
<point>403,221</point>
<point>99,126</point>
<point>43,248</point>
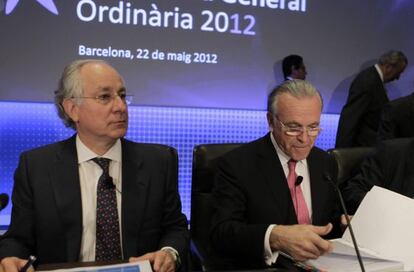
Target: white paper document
<point>384,229</point>
<point>143,266</point>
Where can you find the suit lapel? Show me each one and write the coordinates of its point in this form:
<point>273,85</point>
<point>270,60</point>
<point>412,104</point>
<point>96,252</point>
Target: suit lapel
<point>135,184</point>
<point>381,92</point>
<point>318,186</point>
<point>274,176</point>
<point>64,178</point>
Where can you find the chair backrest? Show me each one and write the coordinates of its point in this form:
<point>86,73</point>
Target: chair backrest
<point>204,164</point>
<point>349,160</point>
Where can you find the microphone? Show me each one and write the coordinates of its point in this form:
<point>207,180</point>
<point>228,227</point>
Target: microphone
<point>341,200</point>
<point>109,182</point>
<point>298,181</point>
<point>4,200</point>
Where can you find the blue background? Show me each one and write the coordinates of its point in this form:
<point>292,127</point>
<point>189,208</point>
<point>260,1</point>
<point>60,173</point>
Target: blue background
<point>27,125</point>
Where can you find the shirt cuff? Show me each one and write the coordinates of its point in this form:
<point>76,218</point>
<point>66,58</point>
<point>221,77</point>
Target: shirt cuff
<point>175,255</point>
<point>270,257</point>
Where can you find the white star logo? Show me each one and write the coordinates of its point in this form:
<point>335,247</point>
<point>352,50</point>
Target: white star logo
<point>48,4</point>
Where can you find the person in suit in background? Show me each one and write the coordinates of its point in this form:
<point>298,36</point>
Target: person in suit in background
<point>391,166</point>
<point>293,67</point>
<point>95,196</point>
<point>397,119</point>
<point>271,194</point>
<point>360,116</point>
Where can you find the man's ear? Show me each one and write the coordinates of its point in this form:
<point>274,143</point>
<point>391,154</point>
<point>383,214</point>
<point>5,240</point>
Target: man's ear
<point>71,109</point>
<point>270,122</point>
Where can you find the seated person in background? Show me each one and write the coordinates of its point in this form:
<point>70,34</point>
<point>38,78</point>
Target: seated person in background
<point>293,67</point>
<point>397,119</point>
<point>271,195</point>
<point>361,114</point>
<point>391,166</point>
<point>95,196</point>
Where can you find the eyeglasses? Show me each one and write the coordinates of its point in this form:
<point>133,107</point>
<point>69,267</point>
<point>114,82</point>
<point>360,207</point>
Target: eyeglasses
<point>107,98</point>
<point>295,130</point>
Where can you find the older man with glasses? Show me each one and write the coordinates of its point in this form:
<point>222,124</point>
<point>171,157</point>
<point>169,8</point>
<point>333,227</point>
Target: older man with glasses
<point>95,196</point>
<point>272,197</point>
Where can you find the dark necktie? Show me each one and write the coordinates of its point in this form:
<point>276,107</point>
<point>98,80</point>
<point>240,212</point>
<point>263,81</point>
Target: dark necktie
<point>108,245</point>
<point>298,199</point>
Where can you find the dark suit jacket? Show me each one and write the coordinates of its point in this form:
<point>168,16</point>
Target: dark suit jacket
<point>46,218</point>
<point>391,167</point>
<point>251,192</point>
<point>360,116</point>
<point>397,119</point>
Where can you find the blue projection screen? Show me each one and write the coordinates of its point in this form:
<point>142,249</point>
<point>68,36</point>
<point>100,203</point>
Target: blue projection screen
<point>201,53</point>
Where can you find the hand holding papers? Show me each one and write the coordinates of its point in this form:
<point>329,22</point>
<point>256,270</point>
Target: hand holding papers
<point>383,225</point>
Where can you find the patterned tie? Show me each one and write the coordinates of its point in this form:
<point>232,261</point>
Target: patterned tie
<point>108,245</point>
<point>298,199</point>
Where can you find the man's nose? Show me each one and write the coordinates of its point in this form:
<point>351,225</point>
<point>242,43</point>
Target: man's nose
<point>119,103</point>
<point>303,137</point>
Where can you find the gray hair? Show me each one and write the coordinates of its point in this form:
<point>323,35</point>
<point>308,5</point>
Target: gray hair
<point>393,58</point>
<point>296,88</point>
<point>70,86</point>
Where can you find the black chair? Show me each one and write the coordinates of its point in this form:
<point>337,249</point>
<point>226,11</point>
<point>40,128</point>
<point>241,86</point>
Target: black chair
<point>349,160</point>
<point>204,164</point>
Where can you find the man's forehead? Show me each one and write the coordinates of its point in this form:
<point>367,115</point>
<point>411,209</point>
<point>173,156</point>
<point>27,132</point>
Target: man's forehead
<point>101,76</point>
<point>289,98</point>
<point>300,107</point>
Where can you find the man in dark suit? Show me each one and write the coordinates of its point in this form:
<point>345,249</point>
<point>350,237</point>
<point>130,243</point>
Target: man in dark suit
<point>293,67</point>
<point>390,166</point>
<point>259,212</point>
<point>95,196</point>
<point>397,119</point>
<point>360,116</point>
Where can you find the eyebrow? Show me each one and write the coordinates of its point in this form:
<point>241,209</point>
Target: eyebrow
<point>294,123</point>
<point>108,90</point>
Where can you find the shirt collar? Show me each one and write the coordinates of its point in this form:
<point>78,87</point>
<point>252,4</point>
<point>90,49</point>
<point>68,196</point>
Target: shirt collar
<point>379,72</point>
<point>283,157</point>
<point>85,154</point>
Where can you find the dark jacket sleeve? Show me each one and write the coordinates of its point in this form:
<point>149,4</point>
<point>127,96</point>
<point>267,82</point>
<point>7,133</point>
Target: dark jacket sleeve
<point>19,240</point>
<point>174,223</point>
<point>231,234</point>
<point>359,100</point>
<point>359,120</point>
<point>387,126</point>
<point>386,167</point>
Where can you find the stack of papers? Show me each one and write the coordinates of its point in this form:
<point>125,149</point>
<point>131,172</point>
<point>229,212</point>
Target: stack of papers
<point>384,229</point>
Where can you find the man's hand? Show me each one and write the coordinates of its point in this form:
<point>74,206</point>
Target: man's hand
<point>14,264</point>
<point>302,242</point>
<point>344,223</point>
<point>343,220</point>
<point>161,260</point>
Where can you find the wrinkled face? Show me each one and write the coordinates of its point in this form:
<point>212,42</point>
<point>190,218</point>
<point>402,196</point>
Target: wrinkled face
<point>299,73</point>
<point>393,72</point>
<point>302,113</point>
<point>95,120</point>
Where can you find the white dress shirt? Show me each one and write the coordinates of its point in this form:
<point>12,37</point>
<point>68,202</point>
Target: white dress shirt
<point>301,170</point>
<point>89,173</point>
<point>379,72</point>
